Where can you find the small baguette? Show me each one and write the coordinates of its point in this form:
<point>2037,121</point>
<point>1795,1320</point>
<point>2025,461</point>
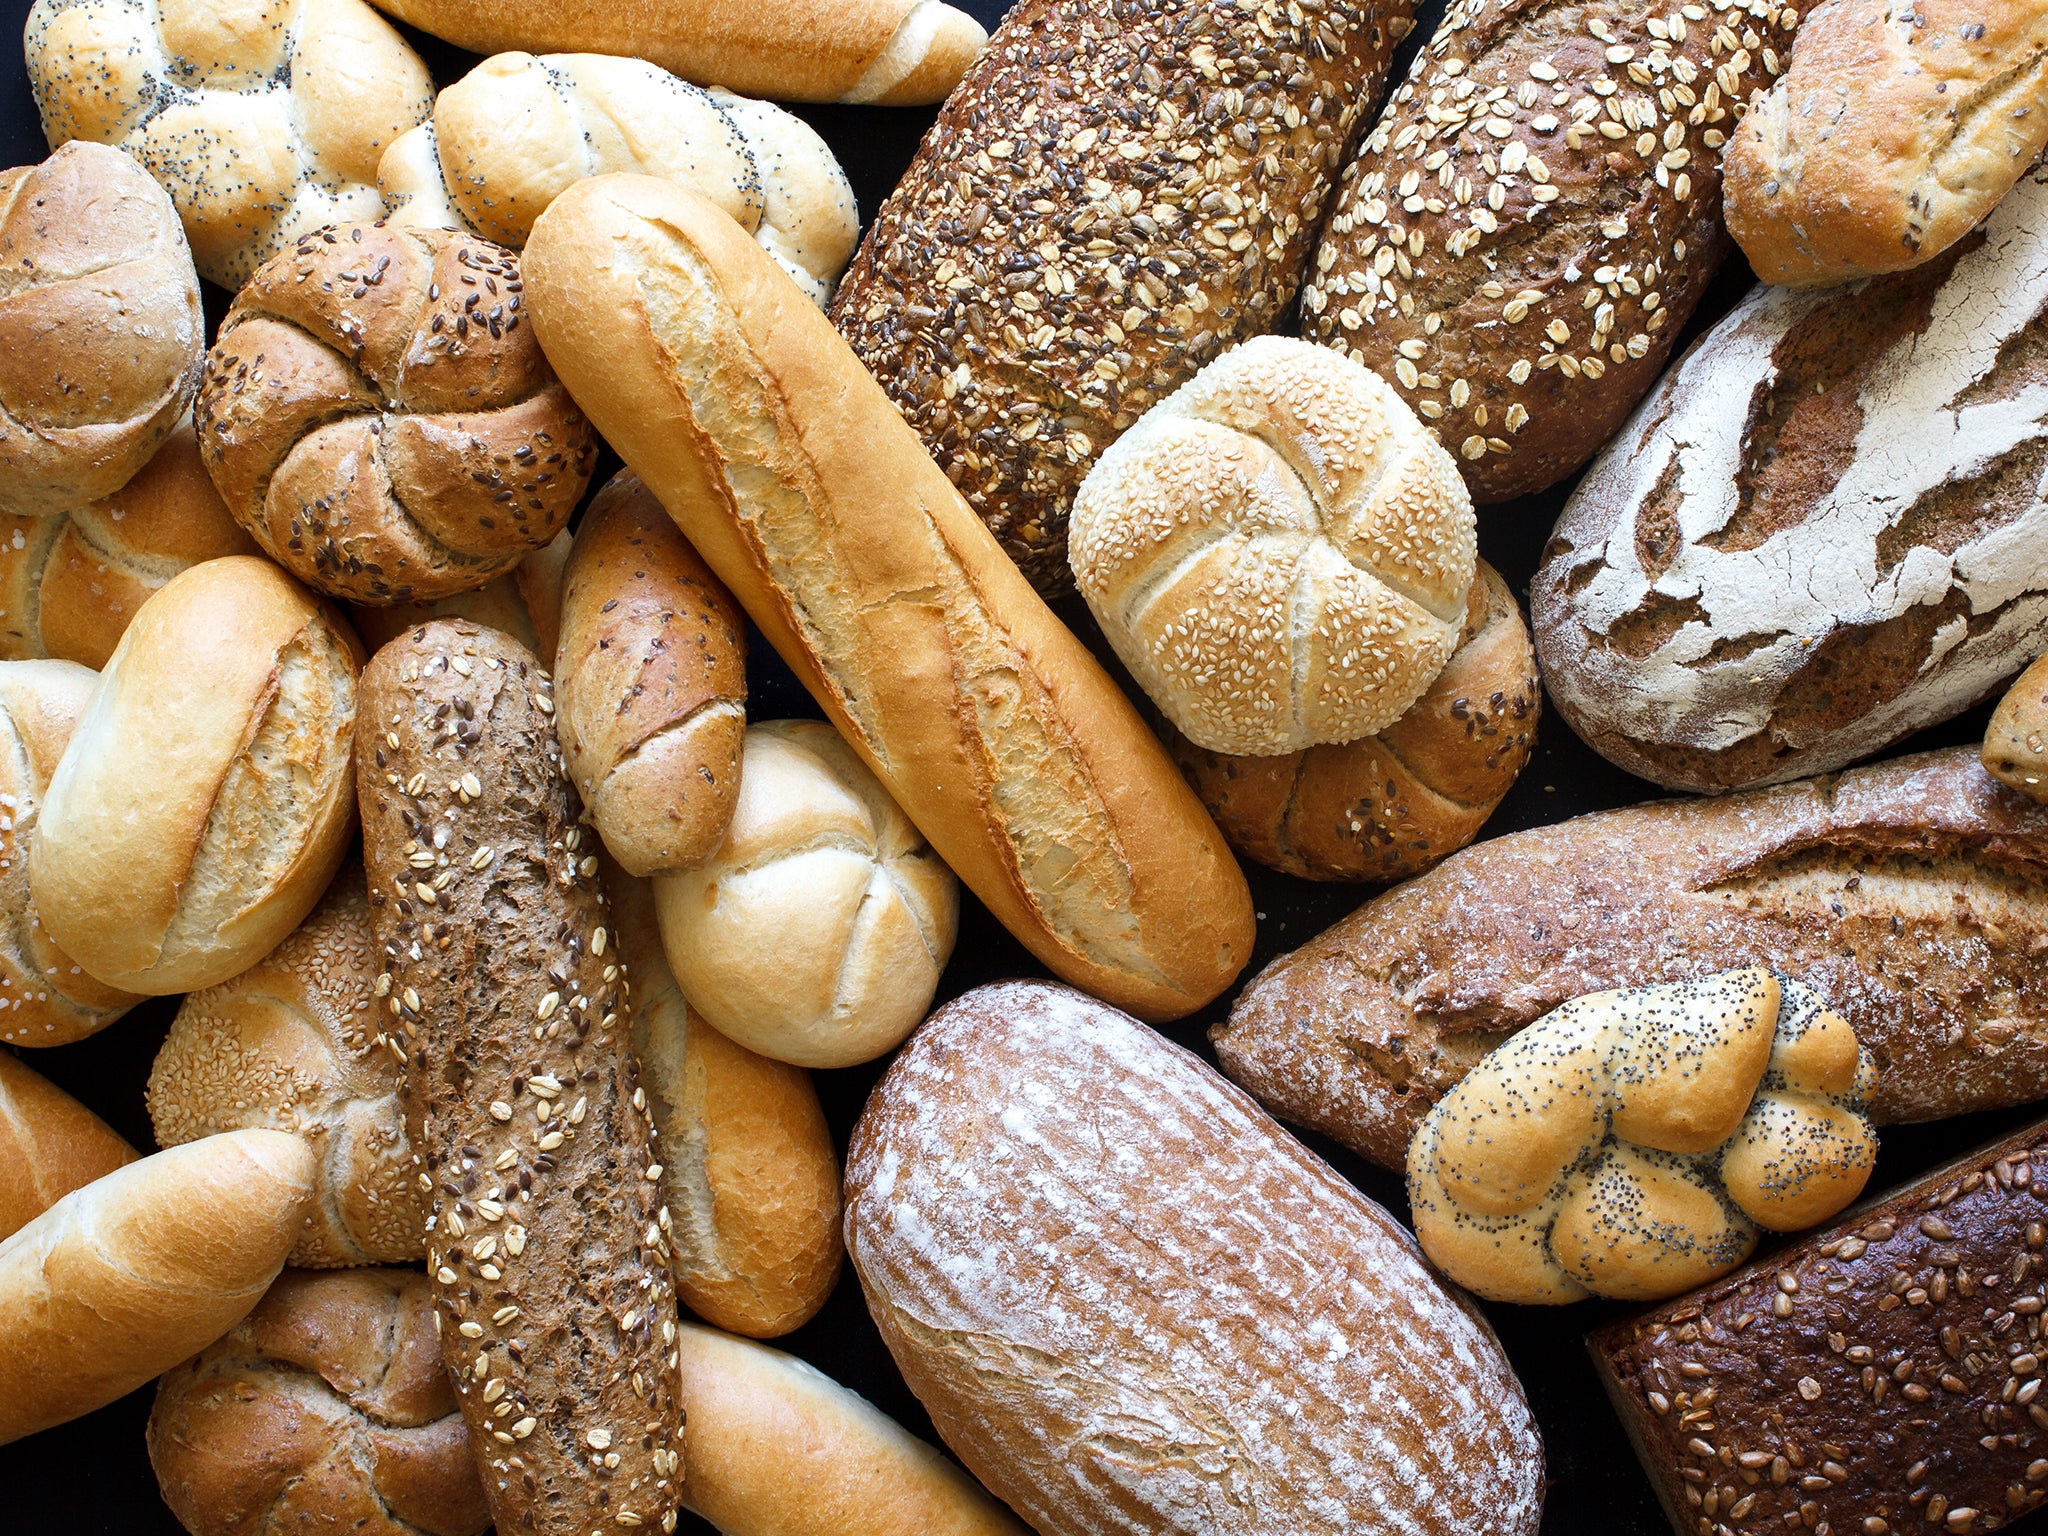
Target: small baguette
<point>787,467</point>
<point>50,1144</point>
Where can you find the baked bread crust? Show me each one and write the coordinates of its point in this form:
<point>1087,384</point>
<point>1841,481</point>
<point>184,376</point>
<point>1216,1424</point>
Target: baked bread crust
<point>2016,741</point>
<point>50,1144</point>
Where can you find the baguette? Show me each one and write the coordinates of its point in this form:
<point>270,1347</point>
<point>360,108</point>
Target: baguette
<point>547,1242</point>
<point>1912,895</point>
<point>50,1144</point>
<point>791,473</point>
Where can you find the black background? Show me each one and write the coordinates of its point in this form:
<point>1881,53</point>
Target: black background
<point>93,1475</point>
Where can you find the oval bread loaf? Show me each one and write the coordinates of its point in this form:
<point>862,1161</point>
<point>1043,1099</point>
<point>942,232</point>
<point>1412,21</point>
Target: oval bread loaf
<point>1242,1347</point>
<point>50,1144</point>
<point>2016,741</point>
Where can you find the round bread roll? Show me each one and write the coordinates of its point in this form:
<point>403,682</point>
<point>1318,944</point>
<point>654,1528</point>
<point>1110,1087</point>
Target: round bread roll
<point>325,1409</point>
<point>2016,741</point>
<point>100,327</point>
<point>264,122</point>
<point>70,582</point>
<point>294,1043</point>
<point>1388,806</point>
<point>1279,551</point>
<point>378,415</point>
<point>207,796</point>
<point>816,933</point>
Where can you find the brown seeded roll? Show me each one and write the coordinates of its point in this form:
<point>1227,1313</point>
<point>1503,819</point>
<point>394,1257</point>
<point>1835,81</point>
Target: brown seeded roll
<point>50,1144</point>
<point>525,603</point>
<point>378,415</point>
<point>100,329</point>
<point>71,581</point>
<point>652,689</point>
<point>1114,195</point>
<point>2016,742</point>
<point>325,1409</point>
<point>1526,229</point>
<point>1388,806</point>
<point>294,1043</point>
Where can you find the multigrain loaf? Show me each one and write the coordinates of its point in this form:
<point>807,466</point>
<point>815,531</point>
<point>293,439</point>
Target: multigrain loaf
<point>525,603</point>
<point>1823,530</point>
<point>547,1241</point>
<point>1526,229</point>
<point>1114,196</point>
<point>50,1144</point>
<point>787,468</point>
<point>2016,740</point>
<point>1912,895</point>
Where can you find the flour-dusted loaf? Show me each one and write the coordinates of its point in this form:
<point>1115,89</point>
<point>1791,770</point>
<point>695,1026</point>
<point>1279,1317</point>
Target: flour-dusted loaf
<point>1133,1305</point>
<point>1825,529</point>
<point>1912,895</point>
<point>1526,229</point>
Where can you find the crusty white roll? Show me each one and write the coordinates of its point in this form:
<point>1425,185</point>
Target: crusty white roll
<point>50,1144</point>
<point>264,124</point>
<point>1279,551</point>
<point>817,932</point>
<point>526,603</point>
<point>119,1281</point>
<point>507,137</point>
<point>207,796</point>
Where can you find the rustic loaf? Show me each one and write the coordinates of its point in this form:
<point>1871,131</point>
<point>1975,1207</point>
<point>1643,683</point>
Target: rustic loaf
<point>1822,531</point>
<point>50,1144</point>
<point>1875,1379</point>
<point>2016,740</point>
<point>1912,895</point>
<point>1238,1347</point>
<point>1114,196</point>
<point>1526,229</point>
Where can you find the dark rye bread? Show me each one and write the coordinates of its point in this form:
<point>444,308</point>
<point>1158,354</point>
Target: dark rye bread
<point>1823,529</point>
<point>547,1243</point>
<point>1525,230</point>
<point>1912,894</point>
<point>1117,192</point>
<point>1879,1377</point>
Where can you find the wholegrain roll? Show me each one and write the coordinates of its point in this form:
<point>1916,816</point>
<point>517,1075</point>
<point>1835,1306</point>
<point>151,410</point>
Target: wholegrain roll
<point>525,603</point>
<point>50,1144</point>
<point>208,794</point>
<point>811,498</point>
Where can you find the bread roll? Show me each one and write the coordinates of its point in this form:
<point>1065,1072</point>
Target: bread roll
<point>325,1409</point>
<point>1278,551</point>
<point>748,1167</point>
<point>295,1043</point>
<point>208,794</point>
<point>119,1281</point>
<point>377,415</point>
<point>1132,1304</point>
<point>2016,741</point>
<point>889,52</point>
<point>652,685</point>
<point>46,997</point>
<point>526,603</point>
<point>805,491</point>
<point>817,932</point>
<point>50,1144</point>
<point>100,329</point>
<point>263,125</point>
<point>511,134</point>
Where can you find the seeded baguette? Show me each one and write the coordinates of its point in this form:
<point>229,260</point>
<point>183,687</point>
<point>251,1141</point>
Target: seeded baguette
<point>547,1243</point>
<point>1523,282</point>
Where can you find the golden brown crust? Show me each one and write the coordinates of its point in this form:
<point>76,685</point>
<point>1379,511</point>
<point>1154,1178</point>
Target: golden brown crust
<point>2016,741</point>
<point>50,1144</point>
<point>525,604</point>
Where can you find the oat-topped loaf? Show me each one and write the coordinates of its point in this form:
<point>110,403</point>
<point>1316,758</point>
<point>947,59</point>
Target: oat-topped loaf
<point>1113,196</point>
<point>1524,232</point>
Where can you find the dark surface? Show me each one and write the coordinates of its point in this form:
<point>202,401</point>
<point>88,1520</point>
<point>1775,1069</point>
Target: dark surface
<point>92,1475</point>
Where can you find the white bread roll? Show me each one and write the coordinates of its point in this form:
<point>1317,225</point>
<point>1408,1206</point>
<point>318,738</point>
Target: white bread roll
<point>263,122</point>
<point>817,932</point>
<point>119,1281</point>
<point>509,136</point>
<point>50,1144</point>
<point>208,794</point>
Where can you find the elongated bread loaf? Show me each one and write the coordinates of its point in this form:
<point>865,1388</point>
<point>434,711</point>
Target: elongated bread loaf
<point>50,1144</point>
<point>789,470</point>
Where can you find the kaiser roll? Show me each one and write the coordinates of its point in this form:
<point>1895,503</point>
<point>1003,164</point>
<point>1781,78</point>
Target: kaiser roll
<point>1279,551</point>
<point>817,932</point>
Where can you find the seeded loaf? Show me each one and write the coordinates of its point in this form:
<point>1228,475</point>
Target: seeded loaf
<point>50,1144</point>
<point>1875,1379</point>
<point>1822,531</point>
<point>2016,741</point>
<point>547,1240</point>
<point>1912,895</point>
<point>1526,229</point>
<point>1115,195</point>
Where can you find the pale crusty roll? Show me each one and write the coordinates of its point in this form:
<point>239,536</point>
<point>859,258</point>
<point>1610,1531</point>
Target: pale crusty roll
<point>119,1281</point>
<point>525,603</point>
<point>790,471</point>
<point>50,1144</point>
<point>891,53</point>
<point>2016,741</point>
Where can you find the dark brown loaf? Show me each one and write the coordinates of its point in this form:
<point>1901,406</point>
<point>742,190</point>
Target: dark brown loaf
<point>1522,277</point>
<point>1913,895</point>
<point>547,1241</point>
<point>1877,1378</point>
<point>1114,195</point>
